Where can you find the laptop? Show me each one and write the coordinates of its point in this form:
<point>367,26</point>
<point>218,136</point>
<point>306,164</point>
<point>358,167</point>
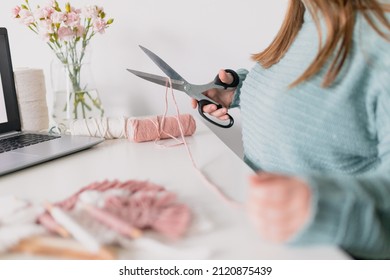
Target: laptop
<point>19,149</point>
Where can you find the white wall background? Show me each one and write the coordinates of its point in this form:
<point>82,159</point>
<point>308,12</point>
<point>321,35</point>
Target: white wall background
<point>196,37</point>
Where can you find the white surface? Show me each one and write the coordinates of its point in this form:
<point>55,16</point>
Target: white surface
<point>218,231</point>
<point>196,37</point>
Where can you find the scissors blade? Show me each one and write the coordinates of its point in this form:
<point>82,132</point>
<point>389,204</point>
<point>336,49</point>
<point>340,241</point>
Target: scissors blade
<point>168,70</point>
<point>164,81</point>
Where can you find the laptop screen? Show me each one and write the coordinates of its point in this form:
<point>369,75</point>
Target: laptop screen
<point>3,112</point>
<point>9,111</point>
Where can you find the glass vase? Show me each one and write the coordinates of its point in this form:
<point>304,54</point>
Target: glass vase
<point>75,94</point>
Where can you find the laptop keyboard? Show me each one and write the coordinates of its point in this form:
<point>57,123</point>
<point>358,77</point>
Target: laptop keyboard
<point>23,140</point>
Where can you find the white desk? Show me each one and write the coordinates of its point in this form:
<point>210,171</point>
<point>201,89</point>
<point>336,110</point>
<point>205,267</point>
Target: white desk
<point>224,232</point>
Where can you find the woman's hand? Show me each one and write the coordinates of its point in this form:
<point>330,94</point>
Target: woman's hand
<point>223,97</point>
<point>278,205</point>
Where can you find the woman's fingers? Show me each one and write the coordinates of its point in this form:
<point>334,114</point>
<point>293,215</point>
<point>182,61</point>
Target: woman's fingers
<point>194,103</point>
<point>215,95</point>
<point>225,77</point>
<point>278,205</point>
<point>212,110</point>
<point>217,113</point>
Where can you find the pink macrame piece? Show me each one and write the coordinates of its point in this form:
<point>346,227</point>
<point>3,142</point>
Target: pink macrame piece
<point>146,206</point>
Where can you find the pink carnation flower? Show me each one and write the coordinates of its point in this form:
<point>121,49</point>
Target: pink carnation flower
<point>80,31</point>
<point>71,25</point>
<point>44,12</point>
<point>58,17</point>
<point>65,33</point>
<point>16,11</point>
<point>46,26</point>
<point>72,19</point>
<point>99,25</point>
<point>26,17</point>
<point>90,12</point>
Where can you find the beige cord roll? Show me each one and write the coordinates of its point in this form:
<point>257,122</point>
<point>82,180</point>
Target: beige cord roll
<point>31,92</point>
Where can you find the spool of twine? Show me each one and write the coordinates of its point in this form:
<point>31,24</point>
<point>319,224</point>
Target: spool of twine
<point>135,129</point>
<point>31,93</point>
<point>152,128</point>
<point>108,128</point>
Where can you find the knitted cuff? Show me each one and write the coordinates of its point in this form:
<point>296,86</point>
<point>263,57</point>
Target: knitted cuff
<point>236,98</point>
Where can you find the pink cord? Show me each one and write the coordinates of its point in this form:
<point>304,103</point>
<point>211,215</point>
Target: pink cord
<point>207,181</point>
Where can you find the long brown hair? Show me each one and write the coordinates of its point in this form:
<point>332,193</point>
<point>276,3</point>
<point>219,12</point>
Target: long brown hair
<point>339,18</point>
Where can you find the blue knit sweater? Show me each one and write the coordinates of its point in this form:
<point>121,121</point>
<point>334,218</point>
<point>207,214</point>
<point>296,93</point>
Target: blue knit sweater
<point>336,138</point>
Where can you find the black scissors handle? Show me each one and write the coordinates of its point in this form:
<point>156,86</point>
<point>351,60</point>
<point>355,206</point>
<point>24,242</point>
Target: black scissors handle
<point>236,80</point>
<point>204,102</point>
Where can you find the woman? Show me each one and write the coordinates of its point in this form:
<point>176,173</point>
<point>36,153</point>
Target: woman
<point>316,123</point>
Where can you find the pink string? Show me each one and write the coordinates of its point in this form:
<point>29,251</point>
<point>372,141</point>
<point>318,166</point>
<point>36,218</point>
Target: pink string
<point>206,180</point>
<point>161,127</point>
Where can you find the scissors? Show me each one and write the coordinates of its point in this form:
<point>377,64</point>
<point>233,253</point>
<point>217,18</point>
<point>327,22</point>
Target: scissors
<point>194,91</point>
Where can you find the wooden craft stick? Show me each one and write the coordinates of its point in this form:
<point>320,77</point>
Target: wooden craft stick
<point>61,248</point>
<point>78,232</point>
<point>113,222</point>
<point>49,223</point>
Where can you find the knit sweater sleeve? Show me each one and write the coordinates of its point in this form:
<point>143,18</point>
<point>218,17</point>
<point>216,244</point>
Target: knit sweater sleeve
<point>353,212</point>
<point>236,98</point>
